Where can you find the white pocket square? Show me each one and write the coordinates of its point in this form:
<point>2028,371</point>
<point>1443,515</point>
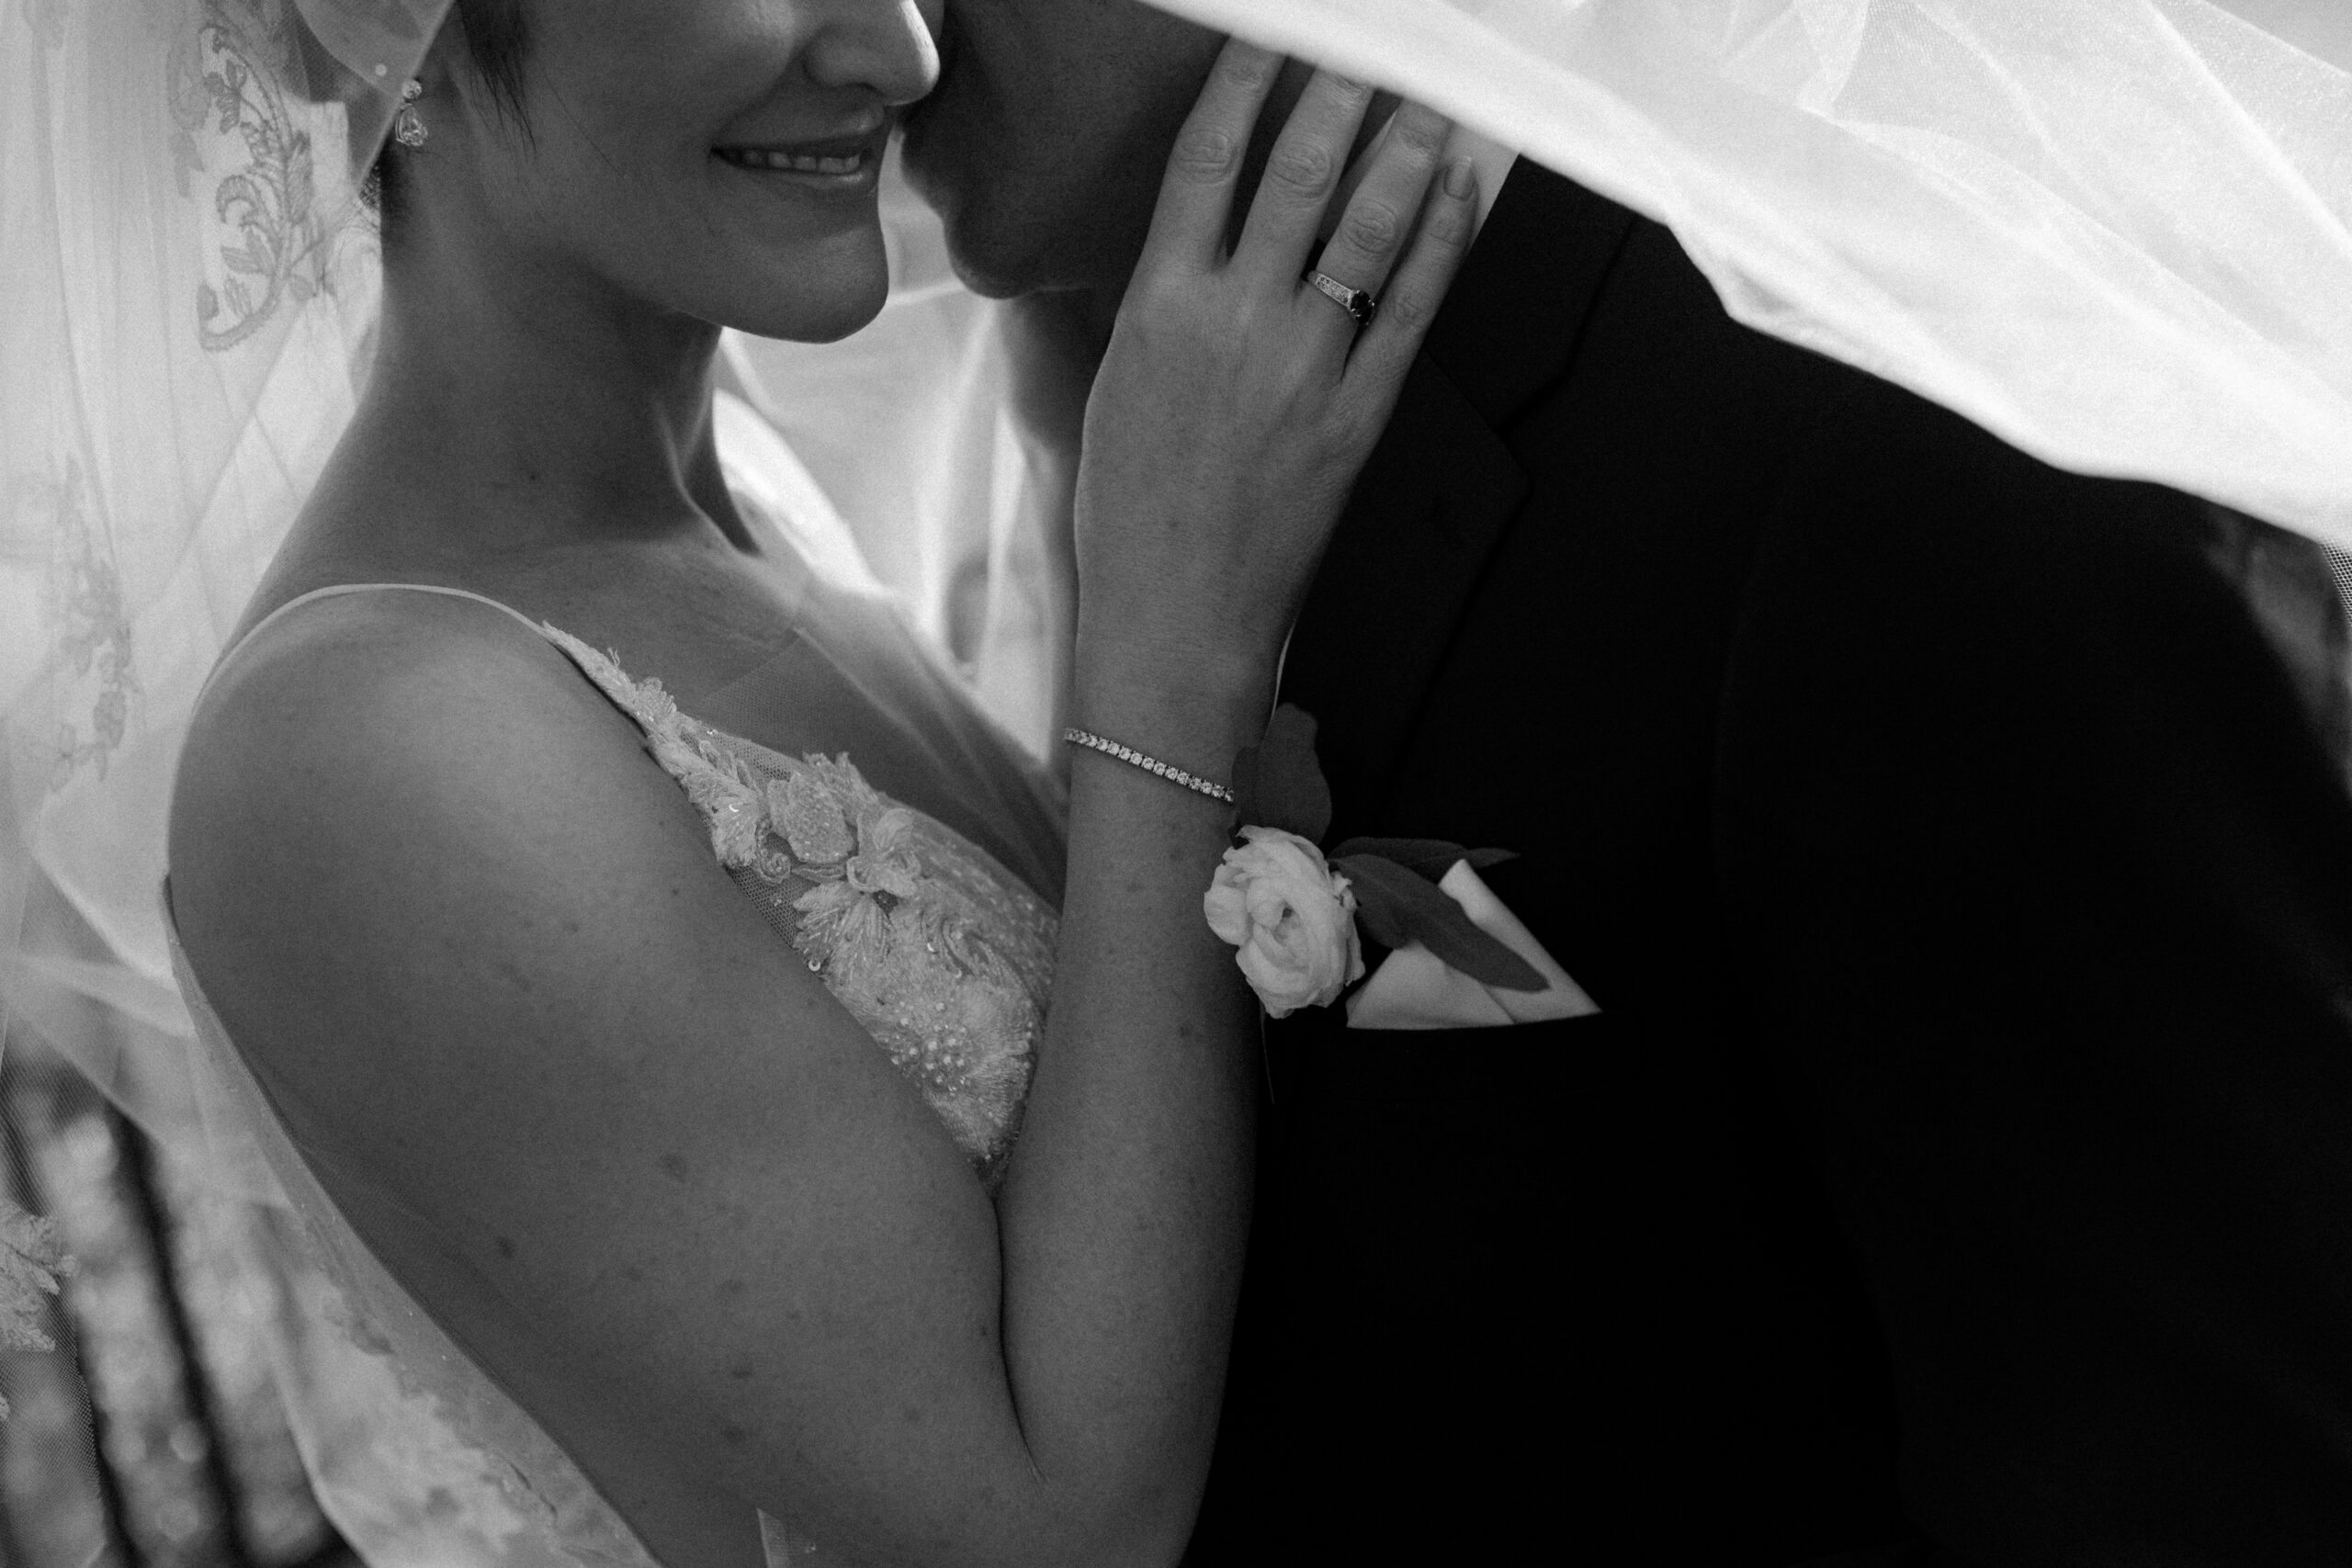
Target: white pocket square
<point>1414,988</point>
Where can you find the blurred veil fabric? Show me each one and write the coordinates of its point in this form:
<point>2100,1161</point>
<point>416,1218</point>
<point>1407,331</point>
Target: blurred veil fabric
<point>191,290</point>
<point>2113,232</point>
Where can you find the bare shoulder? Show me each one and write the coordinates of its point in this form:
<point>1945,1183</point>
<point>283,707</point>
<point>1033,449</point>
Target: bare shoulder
<point>560,1072</point>
<point>407,805</point>
<point>373,715</point>
<point>419,863</point>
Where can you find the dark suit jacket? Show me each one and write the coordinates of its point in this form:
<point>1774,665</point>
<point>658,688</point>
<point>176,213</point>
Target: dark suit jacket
<point>1960,1168</point>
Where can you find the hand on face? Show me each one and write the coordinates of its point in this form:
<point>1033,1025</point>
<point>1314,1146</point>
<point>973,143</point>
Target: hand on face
<point>1237,402</point>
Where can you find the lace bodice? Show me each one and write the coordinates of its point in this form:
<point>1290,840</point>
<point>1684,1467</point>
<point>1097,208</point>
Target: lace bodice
<point>940,953</point>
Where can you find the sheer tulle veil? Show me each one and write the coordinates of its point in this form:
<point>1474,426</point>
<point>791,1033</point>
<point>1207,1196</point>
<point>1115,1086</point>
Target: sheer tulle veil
<point>192,282</point>
<point>2113,232</point>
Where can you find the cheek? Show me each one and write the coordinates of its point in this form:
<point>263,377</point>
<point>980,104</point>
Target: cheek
<point>662,221</point>
<point>588,165</point>
<point>616,179</point>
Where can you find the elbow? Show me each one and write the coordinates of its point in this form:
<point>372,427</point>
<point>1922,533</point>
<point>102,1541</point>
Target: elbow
<point>1148,1527</point>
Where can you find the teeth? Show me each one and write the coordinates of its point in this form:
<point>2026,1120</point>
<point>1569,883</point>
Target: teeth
<point>794,162</point>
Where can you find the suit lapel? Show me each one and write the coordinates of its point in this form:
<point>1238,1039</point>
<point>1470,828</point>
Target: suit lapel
<point>1442,486</point>
<point>1426,513</point>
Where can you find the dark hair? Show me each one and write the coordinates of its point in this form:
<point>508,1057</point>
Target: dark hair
<point>496,36</point>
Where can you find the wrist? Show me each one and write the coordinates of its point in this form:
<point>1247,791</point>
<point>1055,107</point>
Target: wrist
<point>1193,711</point>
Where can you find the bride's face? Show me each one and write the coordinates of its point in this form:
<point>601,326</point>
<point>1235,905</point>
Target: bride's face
<point>712,158</point>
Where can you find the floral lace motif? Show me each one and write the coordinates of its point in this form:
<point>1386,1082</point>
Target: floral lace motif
<point>941,955</point>
<point>82,600</point>
<point>227,86</point>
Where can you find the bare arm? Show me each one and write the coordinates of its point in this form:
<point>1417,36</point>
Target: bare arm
<point>585,1103</point>
<point>1212,470</point>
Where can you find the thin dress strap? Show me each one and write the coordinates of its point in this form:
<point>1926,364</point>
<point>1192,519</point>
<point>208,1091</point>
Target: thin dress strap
<point>644,702</point>
<point>335,590</point>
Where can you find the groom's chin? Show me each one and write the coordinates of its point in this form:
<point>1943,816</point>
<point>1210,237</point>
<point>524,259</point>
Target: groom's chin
<point>1008,235</point>
<point>989,255</point>
<point>983,263</point>
<point>1000,257</point>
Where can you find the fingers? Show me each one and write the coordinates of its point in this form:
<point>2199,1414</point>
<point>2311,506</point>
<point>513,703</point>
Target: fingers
<point>1371,233</point>
<point>1196,195</point>
<point>1301,173</point>
<point>1385,349</point>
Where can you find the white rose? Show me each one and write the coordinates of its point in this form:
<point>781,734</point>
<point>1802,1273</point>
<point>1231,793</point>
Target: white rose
<point>1292,916</point>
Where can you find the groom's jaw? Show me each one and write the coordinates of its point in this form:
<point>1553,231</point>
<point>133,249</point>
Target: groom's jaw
<point>1043,144</point>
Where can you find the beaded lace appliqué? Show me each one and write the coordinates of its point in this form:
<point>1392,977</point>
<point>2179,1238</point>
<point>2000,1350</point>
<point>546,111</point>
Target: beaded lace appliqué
<point>942,956</point>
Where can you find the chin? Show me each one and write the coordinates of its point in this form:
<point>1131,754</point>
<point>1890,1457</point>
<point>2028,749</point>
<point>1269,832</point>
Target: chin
<point>826,317</point>
<point>963,215</point>
<point>809,295</point>
<point>1003,242</point>
<point>989,270</point>
<point>996,237</point>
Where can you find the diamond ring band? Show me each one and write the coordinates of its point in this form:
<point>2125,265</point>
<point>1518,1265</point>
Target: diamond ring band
<point>1356,302</point>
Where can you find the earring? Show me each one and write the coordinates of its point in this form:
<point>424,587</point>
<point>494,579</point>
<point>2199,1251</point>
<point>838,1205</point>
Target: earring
<point>408,125</point>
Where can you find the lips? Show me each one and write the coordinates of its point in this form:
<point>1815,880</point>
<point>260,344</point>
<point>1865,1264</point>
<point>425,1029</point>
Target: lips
<point>829,157</point>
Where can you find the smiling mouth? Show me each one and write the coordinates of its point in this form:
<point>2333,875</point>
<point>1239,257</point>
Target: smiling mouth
<point>790,160</point>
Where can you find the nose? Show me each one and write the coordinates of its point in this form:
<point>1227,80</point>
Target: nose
<point>886,46</point>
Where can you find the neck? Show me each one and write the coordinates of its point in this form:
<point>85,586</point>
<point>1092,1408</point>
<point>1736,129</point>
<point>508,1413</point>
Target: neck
<point>531,404</point>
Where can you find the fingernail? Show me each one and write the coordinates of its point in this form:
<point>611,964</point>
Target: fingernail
<point>1461,179</point>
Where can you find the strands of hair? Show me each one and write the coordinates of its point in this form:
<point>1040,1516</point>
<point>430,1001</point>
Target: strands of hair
<point>496,35</point>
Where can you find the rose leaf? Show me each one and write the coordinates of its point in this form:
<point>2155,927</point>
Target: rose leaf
<point>1399,907</point>
<point>1431,858</point>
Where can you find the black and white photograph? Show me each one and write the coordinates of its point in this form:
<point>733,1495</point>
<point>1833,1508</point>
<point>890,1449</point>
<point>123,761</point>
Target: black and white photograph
<point>1175,784</point>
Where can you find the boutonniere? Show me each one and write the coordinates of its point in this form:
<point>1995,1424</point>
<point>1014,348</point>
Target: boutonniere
<point>1293,913</point>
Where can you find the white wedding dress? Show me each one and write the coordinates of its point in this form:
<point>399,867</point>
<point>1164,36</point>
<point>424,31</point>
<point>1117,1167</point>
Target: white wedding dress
<point>927,938</point>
